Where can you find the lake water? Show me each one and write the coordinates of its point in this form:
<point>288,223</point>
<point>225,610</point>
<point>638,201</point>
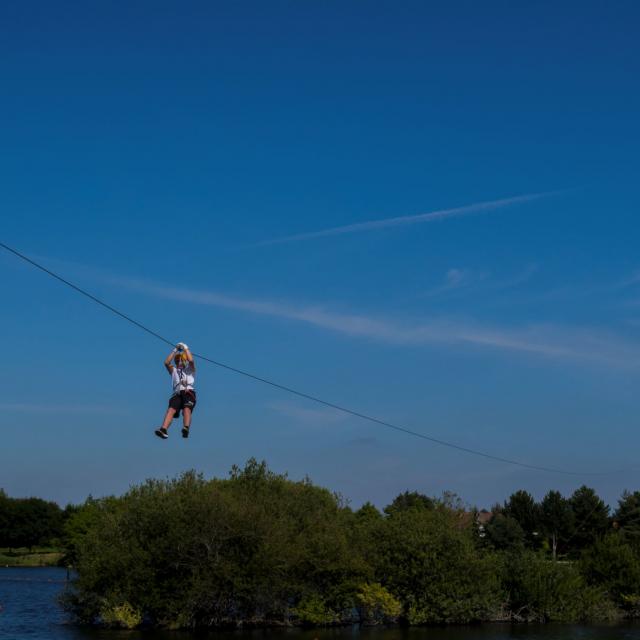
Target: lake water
<point>29,610</point>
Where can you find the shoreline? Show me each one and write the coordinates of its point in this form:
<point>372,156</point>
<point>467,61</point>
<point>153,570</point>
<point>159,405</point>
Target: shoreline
<point>44,557</point>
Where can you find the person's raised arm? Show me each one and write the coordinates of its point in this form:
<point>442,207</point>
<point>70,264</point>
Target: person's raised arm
<point>167,362</point>
<point>187,352</point>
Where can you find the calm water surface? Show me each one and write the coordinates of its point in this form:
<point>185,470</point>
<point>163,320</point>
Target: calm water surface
<point>28,609</point>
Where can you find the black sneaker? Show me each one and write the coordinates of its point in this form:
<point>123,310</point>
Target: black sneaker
<point>162,433</point>
<point>185,432</point>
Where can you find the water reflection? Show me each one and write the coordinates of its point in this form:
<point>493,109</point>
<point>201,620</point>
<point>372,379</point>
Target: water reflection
<point>484,632</point>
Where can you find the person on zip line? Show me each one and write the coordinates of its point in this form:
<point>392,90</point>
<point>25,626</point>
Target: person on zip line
<point>182,371</point>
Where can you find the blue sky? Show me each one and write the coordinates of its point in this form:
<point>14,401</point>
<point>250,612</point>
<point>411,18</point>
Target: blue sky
<point>428,214</point>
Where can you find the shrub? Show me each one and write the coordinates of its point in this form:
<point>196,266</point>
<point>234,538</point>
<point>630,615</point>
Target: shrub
<point>313,610</point>
<point>431,564</point>
<point>541,590</point>
<point>192,553</point>
<point>613,564</point>
<point>121,615</point>
<point>377,605</point>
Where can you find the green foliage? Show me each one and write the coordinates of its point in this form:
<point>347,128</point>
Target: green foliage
<point>431,564</point>
<point>631,605</point>
<point>409,500</point>
<point>541,590</point>
<point>190,553</point>
<point>526,512</point>
<point>627,518</point>
<point>613,564</point>
<point>377,605</point>
<point>557,520</point>
<point>504,533</point>
<point>27,522</point>
<point>5,518</point>
<point>120,616</point>
<point>368,512</point>
<point>591,517</point>
<point>260,549</point>
<point>313,610</point>
<point>78,521</point>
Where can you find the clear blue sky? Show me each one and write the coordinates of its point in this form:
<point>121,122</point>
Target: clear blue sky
<point>172,158</point>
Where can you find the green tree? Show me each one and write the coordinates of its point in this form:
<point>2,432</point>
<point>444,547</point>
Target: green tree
<point>612,563</point>
<point>78,521</point>
<point>26,522</point>
<point>591,518</point>
<point>539,590</point>
<point>255,548</point>
<point>409,500</point>
<point>504,533</point>
<point>368,511</point>
<point>523,508</point>
<point>627,517</point>
<point>557,519</point>
<point>6,517</point>
<point>376,605</point>
<point>258,548</point>
<point>432,566</point>
<point>364,530</point>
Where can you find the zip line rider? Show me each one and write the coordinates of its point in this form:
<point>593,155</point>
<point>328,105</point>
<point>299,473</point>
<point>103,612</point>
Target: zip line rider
<point>182,371</point>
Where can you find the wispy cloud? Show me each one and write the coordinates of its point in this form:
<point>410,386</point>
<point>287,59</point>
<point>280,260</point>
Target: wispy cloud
<point>631,281</point>
<point>577,344</point>
<point>615,292</point>
<point>551,341</point>
<point>458,280</point>
<point>456,277</point>
<point>431,216</point>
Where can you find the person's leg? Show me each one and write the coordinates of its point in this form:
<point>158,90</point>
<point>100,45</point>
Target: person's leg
<point>163,431</point>
<point>168,418</point>
<point>186,421</point>
<point>175,403</point>
<point>188,405</point>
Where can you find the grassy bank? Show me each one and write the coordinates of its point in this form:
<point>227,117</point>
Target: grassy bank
<point>35,557</point>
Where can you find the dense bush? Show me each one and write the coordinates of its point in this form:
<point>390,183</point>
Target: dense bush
<point>539,590</point>
<point>254,549</point>
<point>431,564</point>
<point>260,549</point>
<point>627,518</point>
<point>613,564</point>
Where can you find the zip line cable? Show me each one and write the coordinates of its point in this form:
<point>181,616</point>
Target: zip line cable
<point>301,394</point>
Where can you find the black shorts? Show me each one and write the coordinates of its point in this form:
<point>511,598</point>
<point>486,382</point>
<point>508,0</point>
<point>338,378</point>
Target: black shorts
<point>182,399</point>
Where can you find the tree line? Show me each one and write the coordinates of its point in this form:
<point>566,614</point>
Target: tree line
<point>563,526</point>
<point>31,522</point>
<point>258,549</point>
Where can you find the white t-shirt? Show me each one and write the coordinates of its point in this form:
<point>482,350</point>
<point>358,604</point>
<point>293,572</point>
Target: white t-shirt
<point>183,378</point>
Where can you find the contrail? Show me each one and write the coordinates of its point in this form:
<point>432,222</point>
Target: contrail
<point>431,216</point>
